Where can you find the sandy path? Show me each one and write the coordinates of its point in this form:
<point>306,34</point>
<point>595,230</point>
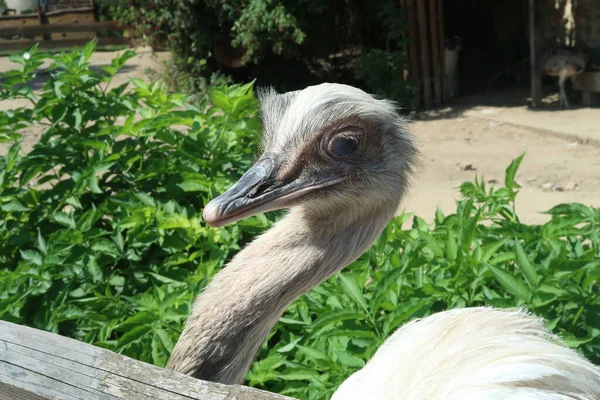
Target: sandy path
<point>553,171</point>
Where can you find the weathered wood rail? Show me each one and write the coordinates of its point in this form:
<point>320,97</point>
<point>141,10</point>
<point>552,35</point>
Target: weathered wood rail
<point>56,25</point>
<point>29,32</point>
<point>38,365</point>
<point>34,30</point>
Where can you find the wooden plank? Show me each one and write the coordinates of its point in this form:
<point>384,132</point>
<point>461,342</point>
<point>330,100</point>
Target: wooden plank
<point>14,393</point>
<point>442,50</point>
<point>82,19</point>
<point>25,30</point>
<point>81,10</point>
<point>437,68</point>
<point>54,44</point>
<point>8,18</point>
<point>424,48</point>
<point>414,45</point>
<point>36,365</point>
<point>14,26</point>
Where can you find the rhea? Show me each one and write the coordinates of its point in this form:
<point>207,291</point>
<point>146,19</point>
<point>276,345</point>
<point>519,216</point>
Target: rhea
<point>564,63</point>
<point>340,161</point>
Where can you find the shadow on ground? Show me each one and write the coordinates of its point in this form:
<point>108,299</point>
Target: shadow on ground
<point>502,98</point>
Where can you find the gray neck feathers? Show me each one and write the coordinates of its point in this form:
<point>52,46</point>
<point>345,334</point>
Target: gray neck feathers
<point>233,316</point>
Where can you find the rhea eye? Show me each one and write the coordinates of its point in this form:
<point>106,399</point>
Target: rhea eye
<point>343,146</point>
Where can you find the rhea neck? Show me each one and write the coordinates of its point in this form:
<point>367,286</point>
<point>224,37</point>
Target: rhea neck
<point>233,316</point>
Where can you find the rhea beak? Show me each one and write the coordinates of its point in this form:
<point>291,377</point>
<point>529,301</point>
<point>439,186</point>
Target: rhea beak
<point>260,190</point>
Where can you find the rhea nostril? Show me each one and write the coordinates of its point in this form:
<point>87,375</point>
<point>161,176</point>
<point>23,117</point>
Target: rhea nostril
<point>261,188</point>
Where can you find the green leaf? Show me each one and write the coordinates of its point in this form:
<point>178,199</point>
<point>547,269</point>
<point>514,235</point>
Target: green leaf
<point>220,100</point>
<point>571,208</point>
<point>511,172</point>
<point>118,239</point>
<point>451,247</point>
<point>78,118</point>
<point>348,360</point>
<point>525,265</point>
<point>172,221</point>
<point>298,374</point>
<point>348,333</point>
<point>141,318</point>
<point>511,284</point>
<point>159,357</point>
<point>13,205</point>
<point>491,249</point>
<point>105,246</point>
<point>32,255</point>
<point>145,198</point>
<point>64,219</point>
<point>165,339</point>
<point>88,49</point>
<point>570,340</point>
<point>192,186</point>
<point>312,352</point>
<point>138,83</point>
<point>335,316</point>
<point>133,335</point>
<point>41,243</point>
<point>350,287</point>
<point>93,185</point>
<point>13,154</point>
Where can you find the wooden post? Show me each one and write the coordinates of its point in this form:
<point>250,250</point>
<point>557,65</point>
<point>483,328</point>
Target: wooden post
<point>38,365</point>
<point>405,40</point>
<point>424,48</point>
<point>414,45</point>
<point>442,32</point>
<point>536,73</point>
<point>437,70</point>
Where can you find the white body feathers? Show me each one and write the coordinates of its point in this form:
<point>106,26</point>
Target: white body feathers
<point>474,354</point>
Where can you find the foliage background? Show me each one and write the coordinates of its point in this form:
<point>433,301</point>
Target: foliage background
<point>284,43</point>
<point>101,237</point>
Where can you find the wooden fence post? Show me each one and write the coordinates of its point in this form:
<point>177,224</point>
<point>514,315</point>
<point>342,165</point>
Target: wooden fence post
<point>424,48</point>
<point>534,50</point>
<point>38,365</point>
<point>435,49</point>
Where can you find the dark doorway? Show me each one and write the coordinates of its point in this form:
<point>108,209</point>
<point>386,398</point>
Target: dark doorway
<point>495,50</point>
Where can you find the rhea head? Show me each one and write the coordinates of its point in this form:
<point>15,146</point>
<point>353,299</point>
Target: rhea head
<point>340,159</point>
<point>330,147</point>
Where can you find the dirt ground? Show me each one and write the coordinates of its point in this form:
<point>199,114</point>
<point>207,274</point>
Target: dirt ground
<point>480,136</point>
<point>555,170</point>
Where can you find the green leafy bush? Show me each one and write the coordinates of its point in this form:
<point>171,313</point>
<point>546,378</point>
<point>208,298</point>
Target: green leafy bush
<point>383,73</point>
<point>254,25</point>
<point>282,43</point>
<point>382,69</point>
<point>206,36</point>
<point>480,255</point>
<point>101,236</point>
